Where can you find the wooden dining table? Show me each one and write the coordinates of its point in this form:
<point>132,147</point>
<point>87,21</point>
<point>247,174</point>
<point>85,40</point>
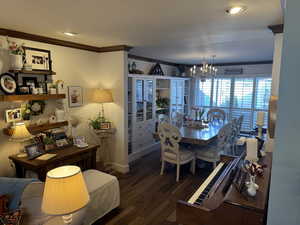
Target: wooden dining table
<point>199,136</point>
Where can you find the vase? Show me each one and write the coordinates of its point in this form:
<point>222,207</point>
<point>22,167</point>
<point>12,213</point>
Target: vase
<point>16,62</point>
<point>251,186</point>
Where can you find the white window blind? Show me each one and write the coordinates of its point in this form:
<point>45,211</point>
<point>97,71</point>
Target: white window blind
<point>221,92</point>
<point>236,95</point>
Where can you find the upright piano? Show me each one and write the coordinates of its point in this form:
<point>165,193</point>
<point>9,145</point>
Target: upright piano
<point>218,201</point>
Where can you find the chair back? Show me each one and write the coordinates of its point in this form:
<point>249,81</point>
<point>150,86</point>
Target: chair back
<point>169,139</point>
<point>216,114</point>
<point>239,123</point>
<point>177,119</point>
<point>163,118</point>
<point>225,138</point>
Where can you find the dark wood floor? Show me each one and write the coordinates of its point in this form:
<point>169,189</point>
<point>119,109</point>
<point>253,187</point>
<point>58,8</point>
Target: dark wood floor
<point>148,198</point>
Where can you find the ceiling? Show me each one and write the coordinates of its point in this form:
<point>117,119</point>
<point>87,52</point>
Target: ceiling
<point>181,31</point>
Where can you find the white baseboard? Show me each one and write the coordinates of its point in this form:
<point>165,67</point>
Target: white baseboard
<point>144,151</point>
<point>120,168</point>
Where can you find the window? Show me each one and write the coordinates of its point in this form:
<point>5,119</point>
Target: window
<point>236,95</point>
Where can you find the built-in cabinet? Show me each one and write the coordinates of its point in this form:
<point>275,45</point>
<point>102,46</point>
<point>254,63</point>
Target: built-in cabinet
<point>143,93</point>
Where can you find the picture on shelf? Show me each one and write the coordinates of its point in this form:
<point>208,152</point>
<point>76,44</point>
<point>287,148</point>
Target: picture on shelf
<point>75,96</point>
<point>8,83</point>
<point>13,115</point>
<point>33,151</point>
<point>30,82</point>
<point>39,59</point>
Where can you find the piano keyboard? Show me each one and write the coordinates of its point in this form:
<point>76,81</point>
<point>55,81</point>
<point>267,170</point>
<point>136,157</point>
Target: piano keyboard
<point>203,190</point>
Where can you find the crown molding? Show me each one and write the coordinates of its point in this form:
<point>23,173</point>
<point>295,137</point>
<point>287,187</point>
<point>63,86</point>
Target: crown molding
<point>276,29</point>
<point>237,63</point>
<point>54,41</point>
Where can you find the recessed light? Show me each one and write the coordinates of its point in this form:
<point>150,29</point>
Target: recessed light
<point>235,10</point>
<point>70,34</point>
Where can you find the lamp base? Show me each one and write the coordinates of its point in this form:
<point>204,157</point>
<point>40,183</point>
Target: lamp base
<point>67,219</point>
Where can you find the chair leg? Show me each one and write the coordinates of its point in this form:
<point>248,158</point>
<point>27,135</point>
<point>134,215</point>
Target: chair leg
<point>215,164</point>
<point>162,167</point>
<point>177,173</point>
<point>193,166</point>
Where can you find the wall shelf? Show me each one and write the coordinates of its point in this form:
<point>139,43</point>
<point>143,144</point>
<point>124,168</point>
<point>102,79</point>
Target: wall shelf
<point>10,98</point>
<point>33,72</point>
<point>35,129</point>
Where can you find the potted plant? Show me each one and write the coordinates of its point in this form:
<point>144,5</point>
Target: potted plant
<point>16,55</point>
<point>49,143</point>
<point>96,123</point>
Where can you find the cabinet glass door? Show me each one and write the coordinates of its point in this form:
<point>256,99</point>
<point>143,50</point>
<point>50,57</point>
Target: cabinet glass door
<point>148,99</point>
<point>139,97</point>
<point>180,96</point>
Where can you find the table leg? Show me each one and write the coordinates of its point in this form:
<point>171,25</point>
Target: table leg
<point>20,172</point>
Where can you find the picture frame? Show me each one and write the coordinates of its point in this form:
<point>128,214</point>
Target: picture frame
<point>23,90</point>
<point>30,82</point>
<point>62,142</point>
<point>105,125</point>
<point>13,115</point>
<point>39,59</point>
<point>8,83</point>
<point>33,151</point>
<point>75,96</point>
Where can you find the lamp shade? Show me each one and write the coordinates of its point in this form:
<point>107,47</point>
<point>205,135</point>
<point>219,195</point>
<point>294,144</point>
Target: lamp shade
<point>102,96</point>
<point>65,191</point>
<point>20,133</point>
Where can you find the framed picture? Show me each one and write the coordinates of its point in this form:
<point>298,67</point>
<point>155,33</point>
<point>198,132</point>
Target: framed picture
<point>33,151</point>
<point>40,59</point>
<point>75,96</point>
<point>13,115</point>
<point>23,90</point>
<point>62,142</point>
<point>8,83</point>
<point>105,125</point>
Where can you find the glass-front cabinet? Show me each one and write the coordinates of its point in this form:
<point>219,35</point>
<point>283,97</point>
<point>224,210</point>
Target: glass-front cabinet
<point>177,96</point>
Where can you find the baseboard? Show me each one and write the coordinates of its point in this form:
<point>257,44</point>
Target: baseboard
<point>136,155</point>
<point>120,168</point>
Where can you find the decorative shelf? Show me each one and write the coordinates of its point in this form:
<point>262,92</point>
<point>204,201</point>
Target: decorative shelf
<point>35,129</point>
<point>10,98</point>
<point>34,72</point>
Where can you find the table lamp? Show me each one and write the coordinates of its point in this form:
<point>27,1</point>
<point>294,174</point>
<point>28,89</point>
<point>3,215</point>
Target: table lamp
<point>65,192</point>
<point>102,96</point>
<point>20,134</point>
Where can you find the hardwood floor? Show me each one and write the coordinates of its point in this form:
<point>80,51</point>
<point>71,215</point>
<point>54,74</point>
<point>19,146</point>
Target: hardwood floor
<point>148,198</point>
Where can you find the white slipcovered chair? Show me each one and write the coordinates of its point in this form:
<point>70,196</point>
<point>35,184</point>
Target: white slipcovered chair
<point>216,115</point>
<point>169,138</point>
<point>177,119</point>
<point>224,144</point>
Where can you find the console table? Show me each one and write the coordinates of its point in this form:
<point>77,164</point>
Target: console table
<point>85,158</point>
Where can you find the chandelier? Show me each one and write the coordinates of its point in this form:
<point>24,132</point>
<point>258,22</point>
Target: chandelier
<point>205,71</point>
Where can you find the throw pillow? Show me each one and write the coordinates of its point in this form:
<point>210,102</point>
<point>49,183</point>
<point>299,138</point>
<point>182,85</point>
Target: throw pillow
<point>11,218</point>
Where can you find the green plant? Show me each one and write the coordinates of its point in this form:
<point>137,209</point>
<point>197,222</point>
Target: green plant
<point>201,113</point>
<point>96,123</point>
<point>14,48</point>
<point>48,141</point>
<point>163,102</point>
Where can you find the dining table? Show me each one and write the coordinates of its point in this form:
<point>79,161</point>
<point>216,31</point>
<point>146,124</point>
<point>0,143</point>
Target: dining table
<point>199,136</point>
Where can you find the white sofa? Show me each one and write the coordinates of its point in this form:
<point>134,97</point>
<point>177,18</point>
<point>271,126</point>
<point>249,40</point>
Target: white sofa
<point>104,197</point>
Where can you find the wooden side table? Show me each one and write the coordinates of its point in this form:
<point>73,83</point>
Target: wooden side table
<point>85,158</point>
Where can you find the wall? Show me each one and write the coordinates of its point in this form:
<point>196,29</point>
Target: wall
<point>88,70</point>
<point>146,67</point>
<point>278,40</point>
<point>285,182</point>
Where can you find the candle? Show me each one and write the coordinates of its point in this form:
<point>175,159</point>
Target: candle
<point>251,150</point>
<point>260,118</point>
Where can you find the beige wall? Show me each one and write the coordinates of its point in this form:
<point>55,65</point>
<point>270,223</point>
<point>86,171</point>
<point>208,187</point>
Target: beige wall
<point>88,70</point>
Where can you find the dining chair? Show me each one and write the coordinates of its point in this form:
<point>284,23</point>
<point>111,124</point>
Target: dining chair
<point>177,119</point>
<point>236,129</point>
<point>224,145</point>
<point>171,152</point>
<point>163,118</point>
<point>216,114</point>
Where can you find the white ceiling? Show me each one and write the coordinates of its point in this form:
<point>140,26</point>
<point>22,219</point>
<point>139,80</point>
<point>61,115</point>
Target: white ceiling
<point>181,31</point>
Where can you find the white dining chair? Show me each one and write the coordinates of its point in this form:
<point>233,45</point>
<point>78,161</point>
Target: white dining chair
<point>170,150</point>
<point>211,153</point>
<point>177,119</point>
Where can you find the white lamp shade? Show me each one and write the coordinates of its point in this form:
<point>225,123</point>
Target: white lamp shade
<point>102,96</point>
<point>20,133</point>
<point>65,191</point>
